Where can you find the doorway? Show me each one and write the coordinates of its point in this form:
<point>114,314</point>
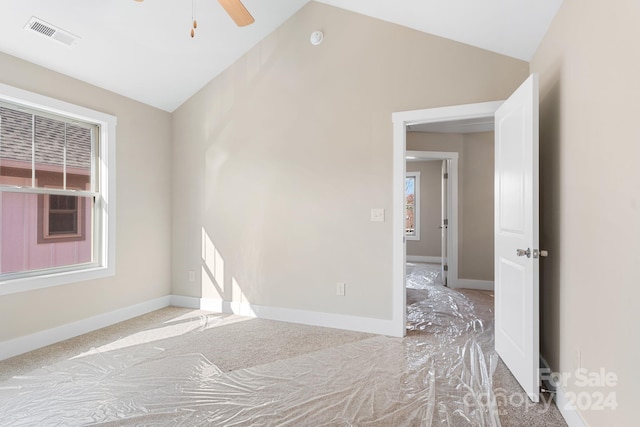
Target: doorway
<point>436,241</point>
<point>516,232</point>
<point>477,116</point>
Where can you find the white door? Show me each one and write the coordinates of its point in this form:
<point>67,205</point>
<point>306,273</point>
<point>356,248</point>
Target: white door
<point>516,236</point>
<point>444,221</point>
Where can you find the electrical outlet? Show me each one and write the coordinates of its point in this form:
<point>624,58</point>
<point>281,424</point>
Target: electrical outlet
<point>377,215</point>
<point>191,275</point>
<point>340,289</point>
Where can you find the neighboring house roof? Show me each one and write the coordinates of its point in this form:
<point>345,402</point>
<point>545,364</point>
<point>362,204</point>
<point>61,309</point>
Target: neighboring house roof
<point>16,134</point>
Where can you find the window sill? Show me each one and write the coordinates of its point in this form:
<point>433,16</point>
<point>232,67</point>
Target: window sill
<point>26,284</point>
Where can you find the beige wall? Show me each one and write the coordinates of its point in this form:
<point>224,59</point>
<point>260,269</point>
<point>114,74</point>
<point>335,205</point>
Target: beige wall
<point>475,196</point>
<point>143,177</point>
<point>476,230</point>
<point>281,158</point>
<point>430,208</point>
<point>590,197</point>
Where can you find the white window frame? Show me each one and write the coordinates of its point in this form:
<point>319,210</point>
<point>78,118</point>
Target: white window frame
<point>105,206</point>
<point>416,201</point>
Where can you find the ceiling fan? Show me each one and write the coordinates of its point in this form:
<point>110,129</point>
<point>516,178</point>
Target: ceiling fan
<point>236,11</point>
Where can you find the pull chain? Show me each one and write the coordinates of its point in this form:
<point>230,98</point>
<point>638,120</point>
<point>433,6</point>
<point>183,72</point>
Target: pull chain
<point>193,18</point>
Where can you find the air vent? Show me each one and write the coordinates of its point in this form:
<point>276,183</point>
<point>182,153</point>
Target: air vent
<point>51,31</point>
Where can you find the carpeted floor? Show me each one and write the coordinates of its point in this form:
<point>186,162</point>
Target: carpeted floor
<point>233,342</point>
<point>186,367</point>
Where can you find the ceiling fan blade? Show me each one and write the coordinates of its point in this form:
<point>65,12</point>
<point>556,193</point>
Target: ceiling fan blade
<point>237,12</point>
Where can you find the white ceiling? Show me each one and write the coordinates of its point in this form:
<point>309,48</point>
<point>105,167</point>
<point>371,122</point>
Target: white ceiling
<point>144,51</point>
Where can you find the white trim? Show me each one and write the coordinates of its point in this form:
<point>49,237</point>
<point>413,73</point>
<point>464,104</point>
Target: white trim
<point>398,255</point>
<point>49,191</point>
<point>47,337</point>
<point>429,259</point>
<point>400,121</point>
<point>568,410</point>
<point>482,285</point>
<point>185,302</point>
<point>447,114</point>
<point>566,407</point>
<point>418,156</point>
<point>215,304</point>
<point>105,206</point>
<point>314,318</point>
<point>329,320</point>
<point>24,344</point>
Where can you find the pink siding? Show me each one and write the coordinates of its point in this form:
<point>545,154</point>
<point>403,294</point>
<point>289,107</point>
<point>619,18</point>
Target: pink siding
<point>19,247</point>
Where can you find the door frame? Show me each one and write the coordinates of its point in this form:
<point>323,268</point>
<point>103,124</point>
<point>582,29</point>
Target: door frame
<point>452,204</point>
<point>400,122</point>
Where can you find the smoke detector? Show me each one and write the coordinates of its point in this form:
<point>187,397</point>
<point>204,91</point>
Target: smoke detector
<point>316,38</point>
<point>52,32</point>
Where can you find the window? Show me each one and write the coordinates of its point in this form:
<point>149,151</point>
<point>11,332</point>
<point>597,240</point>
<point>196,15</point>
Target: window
<point>412,205</point>
<point>62,216</point>
<point>60,219</point>
<point>56,192</point>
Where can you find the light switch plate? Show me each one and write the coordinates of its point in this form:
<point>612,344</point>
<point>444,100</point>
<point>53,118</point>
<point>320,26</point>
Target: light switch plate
<point>377,215</point>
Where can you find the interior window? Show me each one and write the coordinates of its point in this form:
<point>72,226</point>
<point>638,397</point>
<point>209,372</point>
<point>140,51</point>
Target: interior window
<point>412,205</point>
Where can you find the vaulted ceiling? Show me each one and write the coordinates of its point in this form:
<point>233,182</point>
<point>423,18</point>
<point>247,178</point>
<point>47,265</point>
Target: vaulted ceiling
<point>143,50</point>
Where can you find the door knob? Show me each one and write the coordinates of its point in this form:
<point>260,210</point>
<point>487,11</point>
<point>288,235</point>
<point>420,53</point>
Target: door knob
<point>523,252</point>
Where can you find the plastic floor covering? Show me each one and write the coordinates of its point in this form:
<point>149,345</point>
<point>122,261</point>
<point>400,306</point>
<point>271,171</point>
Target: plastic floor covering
<point>439,375</point>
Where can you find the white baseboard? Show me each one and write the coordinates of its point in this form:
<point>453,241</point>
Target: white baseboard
<point>185,302</point>
<point>568,410</point>
<point>206,304</point>
<point>314,318</point>
<point>26,343</point>
<point>429,259</point>
<point>483,285</point>
<point>566,407</point>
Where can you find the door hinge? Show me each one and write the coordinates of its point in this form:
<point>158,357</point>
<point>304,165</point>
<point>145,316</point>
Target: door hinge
<point>446,267</point>
<point>446,175</point>
<point>543,389</point>
<point>446,222</point>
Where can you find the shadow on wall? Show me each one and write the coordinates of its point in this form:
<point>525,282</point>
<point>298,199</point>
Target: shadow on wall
<point>550,215</point>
